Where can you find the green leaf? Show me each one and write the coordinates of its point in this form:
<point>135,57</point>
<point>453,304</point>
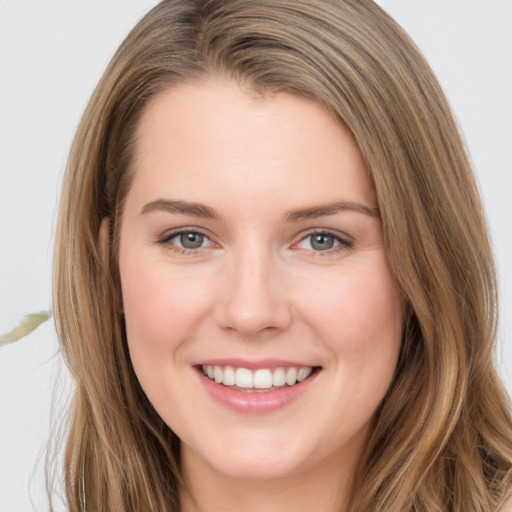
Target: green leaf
<point>26,326</point>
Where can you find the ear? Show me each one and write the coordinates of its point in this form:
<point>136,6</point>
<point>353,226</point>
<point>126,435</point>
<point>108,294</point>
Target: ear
<point>104,239</point>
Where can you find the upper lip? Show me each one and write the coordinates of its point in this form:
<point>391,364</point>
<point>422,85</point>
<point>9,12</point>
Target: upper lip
<point>254,364</point>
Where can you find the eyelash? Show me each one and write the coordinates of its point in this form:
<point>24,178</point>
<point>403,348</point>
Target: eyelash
<point>166,240</point>
<point>343,243</point>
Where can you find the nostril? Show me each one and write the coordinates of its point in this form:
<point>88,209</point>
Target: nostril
<point>253,318</point>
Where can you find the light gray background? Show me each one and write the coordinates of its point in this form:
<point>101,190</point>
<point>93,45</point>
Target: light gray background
<point>51,55</point>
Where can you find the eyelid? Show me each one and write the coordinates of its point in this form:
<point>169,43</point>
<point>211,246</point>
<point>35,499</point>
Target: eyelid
<point>345,241</point>
<point>167,236</point>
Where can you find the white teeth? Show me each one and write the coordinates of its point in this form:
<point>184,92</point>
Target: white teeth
<point>279,377</point>
<point>229,376</point>
<point>243,378</point>
<point>263,378</point>
<point>304,373</point>
<point>218,374</point>
<point>291,376</point>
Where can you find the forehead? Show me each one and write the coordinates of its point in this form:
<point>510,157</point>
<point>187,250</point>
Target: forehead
<point>194,134</point>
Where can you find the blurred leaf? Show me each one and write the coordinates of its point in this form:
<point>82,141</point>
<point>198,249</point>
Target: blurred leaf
<point>26,326</point>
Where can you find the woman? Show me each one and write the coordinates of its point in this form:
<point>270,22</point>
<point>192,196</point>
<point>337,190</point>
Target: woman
<point>273,283</point>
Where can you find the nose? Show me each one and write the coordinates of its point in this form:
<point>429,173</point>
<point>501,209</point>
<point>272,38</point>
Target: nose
<point>253,299</point>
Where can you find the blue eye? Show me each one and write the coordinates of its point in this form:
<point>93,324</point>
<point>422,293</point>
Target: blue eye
<point>186,240</point>
<point>323,241</point>
<point>191,240</point>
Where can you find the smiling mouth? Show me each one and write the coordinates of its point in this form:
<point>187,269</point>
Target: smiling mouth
<point>259,381</point>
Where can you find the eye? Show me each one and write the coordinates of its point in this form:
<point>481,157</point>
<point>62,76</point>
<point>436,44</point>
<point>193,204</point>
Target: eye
<point>190,240</point>
<point>323,241</point>
<point>186,240</point>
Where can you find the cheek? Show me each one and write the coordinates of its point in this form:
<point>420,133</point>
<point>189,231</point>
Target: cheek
<point>161,307</point>
<point>359,314</point>
<point>359,320</point>
<point>162,311</point>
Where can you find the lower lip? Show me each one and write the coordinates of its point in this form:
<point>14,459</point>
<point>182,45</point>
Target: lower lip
<point>248,402</point>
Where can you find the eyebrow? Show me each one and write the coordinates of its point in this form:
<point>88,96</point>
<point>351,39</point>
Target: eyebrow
<point>183,207</point>
<point>313,212</point>
<point>331,209</point>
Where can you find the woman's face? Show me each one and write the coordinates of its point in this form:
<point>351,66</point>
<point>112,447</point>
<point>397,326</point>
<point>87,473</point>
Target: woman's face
<point>252,250</point>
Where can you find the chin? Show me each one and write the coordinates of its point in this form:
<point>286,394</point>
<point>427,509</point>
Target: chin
<point>254,460</point>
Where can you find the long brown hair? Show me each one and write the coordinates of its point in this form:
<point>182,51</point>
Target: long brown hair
<point>442,438</point>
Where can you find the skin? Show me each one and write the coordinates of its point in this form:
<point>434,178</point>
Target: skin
<point>257,288</point>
